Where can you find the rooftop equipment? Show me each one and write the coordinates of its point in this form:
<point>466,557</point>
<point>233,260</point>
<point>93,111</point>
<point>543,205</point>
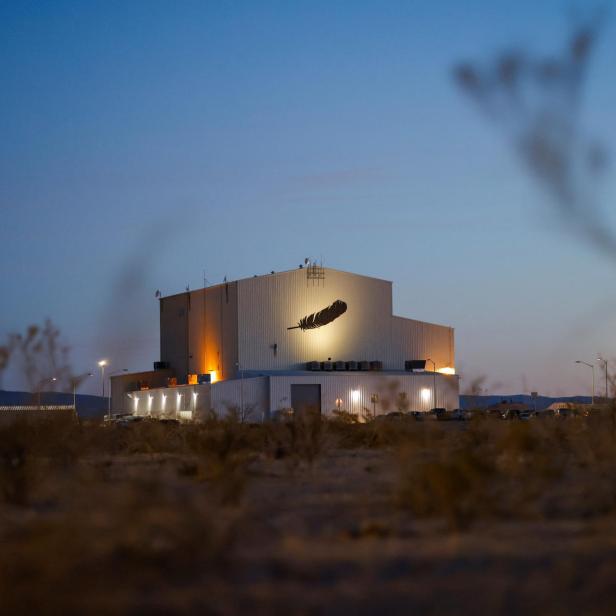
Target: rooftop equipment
<point>415,364</point>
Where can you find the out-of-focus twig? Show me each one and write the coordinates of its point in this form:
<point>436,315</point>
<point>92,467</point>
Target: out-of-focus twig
<point>537,103</point>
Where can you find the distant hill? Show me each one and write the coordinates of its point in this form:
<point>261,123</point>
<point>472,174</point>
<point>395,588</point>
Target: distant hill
<point>88,407</point>
<point>541,402</point>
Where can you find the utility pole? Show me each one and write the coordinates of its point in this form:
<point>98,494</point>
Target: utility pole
<point>578,361</point>
<point>600,359</point>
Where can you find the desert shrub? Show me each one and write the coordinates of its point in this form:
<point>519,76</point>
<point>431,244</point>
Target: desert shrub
<point>539,468</point>
<point>343,417</point>
<point>454,485</point>
<point>378,433</point>
<point>28,447</point>
<point>86,558</point>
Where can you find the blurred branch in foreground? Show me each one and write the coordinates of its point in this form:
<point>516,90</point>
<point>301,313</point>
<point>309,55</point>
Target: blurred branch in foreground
<point>537,101</point>
<point>40,357</point>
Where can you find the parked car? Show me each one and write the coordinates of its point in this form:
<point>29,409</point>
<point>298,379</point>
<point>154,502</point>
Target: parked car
<point>123,419</point>
<point>438,413</point>
<point>394,416</point>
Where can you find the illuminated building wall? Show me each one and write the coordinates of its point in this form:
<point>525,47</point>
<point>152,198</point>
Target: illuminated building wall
<point>247,323</point>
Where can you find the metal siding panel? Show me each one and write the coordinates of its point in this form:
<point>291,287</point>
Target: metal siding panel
<point>177,399</point>
<point>268,305</point>
<point>259,311</point>
<point>212,343</point>
<point>228,394</point>
<point>174,333</point>
<point>419,340</point>
<point>335,386</point>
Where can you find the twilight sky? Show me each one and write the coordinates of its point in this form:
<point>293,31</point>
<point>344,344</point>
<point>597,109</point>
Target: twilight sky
<point>143,143</point>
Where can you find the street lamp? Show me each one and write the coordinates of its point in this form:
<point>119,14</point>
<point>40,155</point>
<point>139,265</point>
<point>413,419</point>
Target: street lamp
<point>109,398</point>
<point>600,359</point>
<point>579,361</point>
<point>434,381</point>
<point>102,363</point>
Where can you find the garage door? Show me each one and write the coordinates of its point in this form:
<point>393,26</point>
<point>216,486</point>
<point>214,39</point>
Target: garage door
<point>306,399</point>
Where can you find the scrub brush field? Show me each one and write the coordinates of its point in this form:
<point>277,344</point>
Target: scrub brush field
<point>310,516</point>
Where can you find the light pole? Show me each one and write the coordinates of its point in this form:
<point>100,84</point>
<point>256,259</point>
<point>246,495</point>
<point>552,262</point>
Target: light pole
<point>102,363</point>
<point>109,397</point>
<point>434,382</point>
<point>591,366</point>
<point>605,366</point>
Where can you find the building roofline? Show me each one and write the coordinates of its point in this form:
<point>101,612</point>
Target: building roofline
<point>397,316</point>
<point>220,284</point>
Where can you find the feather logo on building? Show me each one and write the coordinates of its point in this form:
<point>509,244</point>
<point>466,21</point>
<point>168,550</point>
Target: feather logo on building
<point>323,317</point>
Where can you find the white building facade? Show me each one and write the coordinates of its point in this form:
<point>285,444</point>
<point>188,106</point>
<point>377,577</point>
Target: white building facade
<point>311,336</point>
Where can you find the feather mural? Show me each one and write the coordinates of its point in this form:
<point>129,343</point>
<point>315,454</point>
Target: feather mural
<point>323,317</point>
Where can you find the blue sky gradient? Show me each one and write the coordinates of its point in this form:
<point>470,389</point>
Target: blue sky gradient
<point>144,143</point>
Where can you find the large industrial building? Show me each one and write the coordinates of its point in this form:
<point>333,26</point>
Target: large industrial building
<point>312,337</point>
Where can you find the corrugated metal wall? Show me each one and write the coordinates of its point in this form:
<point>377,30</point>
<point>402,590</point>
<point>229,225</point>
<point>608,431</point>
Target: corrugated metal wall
<point>174,333</point>
<point>123,383</point>
<point>182,402</point>
<point>212,331</point>
<point>247,322</point>
<point>227,396</point>
<point>356,390</point>
<point>419,340</point>
<point>268,305</point>
<point>262,396</point>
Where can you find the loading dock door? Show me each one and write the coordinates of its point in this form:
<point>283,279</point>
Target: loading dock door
<point>306,399</point>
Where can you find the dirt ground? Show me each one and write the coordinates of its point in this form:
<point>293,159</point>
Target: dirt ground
<point>150,533</point>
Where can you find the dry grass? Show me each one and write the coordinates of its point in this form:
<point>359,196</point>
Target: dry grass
<point>512,470</point>
<point>225,517</point>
